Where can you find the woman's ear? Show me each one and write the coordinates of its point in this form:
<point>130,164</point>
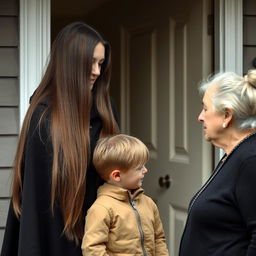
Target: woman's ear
<point>115,175</point>
<point>228,116</point>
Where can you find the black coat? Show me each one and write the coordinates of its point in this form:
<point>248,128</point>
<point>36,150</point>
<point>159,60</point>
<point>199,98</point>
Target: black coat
<point>222,216</point>
<point>38,232</point>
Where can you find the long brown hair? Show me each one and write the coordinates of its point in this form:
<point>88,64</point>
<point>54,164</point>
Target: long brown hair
<point>65,83</point>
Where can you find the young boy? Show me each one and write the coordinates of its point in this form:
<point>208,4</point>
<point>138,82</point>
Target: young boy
<point>122,221</point>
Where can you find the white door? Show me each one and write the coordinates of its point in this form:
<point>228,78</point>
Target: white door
<point>163,60</point>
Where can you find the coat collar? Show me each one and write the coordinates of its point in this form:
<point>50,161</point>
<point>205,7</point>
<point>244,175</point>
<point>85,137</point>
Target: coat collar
<point>119,193</point>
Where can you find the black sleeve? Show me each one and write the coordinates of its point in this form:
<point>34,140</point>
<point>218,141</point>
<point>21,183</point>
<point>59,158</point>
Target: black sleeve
<point>245,193</point>
<point>39,231</point>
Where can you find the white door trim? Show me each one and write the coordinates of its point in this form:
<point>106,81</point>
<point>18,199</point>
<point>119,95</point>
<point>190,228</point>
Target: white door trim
<point>229,35</point>
<point>228,40</point>
<point>35,27</point>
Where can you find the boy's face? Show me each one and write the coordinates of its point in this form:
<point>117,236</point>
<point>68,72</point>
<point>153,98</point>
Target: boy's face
<point>133,178</point>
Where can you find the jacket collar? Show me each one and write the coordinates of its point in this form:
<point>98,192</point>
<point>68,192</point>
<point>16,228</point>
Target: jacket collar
<point>119,193</point>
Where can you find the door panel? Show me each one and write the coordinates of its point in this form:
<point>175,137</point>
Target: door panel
<point>142,85</point>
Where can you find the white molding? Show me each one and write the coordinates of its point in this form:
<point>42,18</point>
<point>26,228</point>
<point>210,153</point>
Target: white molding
<point>228,40</point>
<point>35,39</point>
<point>127,34</point>
<point>229,35</point>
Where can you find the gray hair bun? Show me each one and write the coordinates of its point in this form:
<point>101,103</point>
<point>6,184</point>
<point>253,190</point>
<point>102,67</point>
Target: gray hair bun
<point>250,78</point>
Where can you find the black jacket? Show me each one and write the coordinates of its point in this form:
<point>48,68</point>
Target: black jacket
<point>38,232</point>
<point>222,216</point>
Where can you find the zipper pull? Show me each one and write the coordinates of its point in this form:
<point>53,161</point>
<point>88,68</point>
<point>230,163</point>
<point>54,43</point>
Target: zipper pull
<point>133,204</point>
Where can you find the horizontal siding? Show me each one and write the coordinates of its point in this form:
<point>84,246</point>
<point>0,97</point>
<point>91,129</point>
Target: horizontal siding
<point>5,182</point>
<point>9,7</point>
<point>249,30</point>
<point>9,121</point>
<point>9,95</point>
<point>249,35</point>
<point>4,205</point>
<point>249,7</point>
<point>9,28</point>
<point>9,101</point>
<point>1,237</point>
<point>9,62</point>
<point>8,146</point>
<point>249,55</point>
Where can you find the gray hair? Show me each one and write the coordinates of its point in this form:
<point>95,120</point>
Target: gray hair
<point>235,92</point>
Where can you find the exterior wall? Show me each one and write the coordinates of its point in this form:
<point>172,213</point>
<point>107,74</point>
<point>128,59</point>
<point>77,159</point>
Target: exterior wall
<point>249,36</point>
<point>9,100</point>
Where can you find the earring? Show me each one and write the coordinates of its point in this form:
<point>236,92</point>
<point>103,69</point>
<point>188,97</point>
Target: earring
<point>224,125</point>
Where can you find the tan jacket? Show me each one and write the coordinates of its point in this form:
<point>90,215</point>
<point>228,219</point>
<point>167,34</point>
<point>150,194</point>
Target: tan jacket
<point>120,224</point>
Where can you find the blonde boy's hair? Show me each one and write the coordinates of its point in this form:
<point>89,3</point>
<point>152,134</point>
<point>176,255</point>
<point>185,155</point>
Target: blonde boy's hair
<point>119,152</point>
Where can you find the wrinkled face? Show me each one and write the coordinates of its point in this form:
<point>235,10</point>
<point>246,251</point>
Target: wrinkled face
<point>133,178</point>
<point>212,120</point>
<point>98,59</point>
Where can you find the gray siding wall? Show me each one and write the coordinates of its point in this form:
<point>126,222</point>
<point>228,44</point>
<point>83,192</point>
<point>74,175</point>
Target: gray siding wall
<point>249,37</point>
<point>9,100</point>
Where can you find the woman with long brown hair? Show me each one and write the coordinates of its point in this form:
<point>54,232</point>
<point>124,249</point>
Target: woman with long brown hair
<point>54,179</point>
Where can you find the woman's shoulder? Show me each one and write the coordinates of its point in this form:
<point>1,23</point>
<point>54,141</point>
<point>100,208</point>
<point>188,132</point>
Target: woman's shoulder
<point>247,149</point>
<point>243,157</point>
<point>40,121</point>
<point>42,112</point>
<point>42,106</point>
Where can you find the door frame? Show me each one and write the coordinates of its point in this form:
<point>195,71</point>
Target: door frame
<point>35,40</point>
<point>228,35</point>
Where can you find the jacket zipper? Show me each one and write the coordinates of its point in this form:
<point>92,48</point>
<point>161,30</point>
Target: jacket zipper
<point>139,226</point>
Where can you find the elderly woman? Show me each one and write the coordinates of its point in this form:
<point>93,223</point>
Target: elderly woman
<point>222,215</point>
